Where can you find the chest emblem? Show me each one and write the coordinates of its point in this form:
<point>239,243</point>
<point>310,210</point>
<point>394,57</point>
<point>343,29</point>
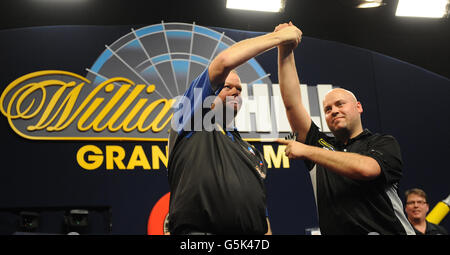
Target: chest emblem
<point>326,145</point>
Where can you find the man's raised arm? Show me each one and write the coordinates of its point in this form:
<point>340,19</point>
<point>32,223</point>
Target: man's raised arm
<point>297,115</point>
<point>244,50</point>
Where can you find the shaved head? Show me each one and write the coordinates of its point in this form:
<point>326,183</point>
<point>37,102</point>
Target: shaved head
<point>342,91</point>
<point>342,113</point>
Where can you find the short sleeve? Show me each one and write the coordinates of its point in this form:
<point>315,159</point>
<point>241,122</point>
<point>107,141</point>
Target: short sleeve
<point>386,151</point>
<point>192,101</point>
<point>319,139</point>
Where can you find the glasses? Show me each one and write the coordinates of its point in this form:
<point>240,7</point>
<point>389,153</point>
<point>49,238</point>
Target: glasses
<point>416,202</point>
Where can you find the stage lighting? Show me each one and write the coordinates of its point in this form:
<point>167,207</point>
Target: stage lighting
<point>423,8</point>
<point>29,221</point>
<point>257,5</point>
<point>370,3</point>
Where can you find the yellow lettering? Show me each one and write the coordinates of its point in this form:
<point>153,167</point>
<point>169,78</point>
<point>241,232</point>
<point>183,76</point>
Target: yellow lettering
<point>109,86</point>
<point>167,104</point>
<point>51,104</point>
<point>158,155</point>
<point>138,158</point>
<point>54,105</point>
<point>123,106</point>
<point>94,160</point>
<point>114,155</point>
<point>69,103</point>
<point>269,155</point>
<point>126,122</point>
<point>91,157</point>
<point>88,114</point>
<point>112,102</point>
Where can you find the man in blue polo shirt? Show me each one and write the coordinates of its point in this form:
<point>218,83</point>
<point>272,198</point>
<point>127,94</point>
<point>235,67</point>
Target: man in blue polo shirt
<point>216,179</point>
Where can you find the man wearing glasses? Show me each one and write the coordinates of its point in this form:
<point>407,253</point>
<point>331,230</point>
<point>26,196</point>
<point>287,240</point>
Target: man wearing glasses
<point>416,209</point>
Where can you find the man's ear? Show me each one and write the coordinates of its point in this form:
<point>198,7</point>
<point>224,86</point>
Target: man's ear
<point>359,107</point>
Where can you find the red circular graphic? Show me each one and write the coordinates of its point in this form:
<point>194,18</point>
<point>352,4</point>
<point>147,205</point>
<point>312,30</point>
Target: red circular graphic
<point>158,216</point>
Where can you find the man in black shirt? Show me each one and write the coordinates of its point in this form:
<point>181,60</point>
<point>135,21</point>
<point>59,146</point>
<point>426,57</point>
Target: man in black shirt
<point>355,173</point>
<point>216,179</point>
<point>416,209</point>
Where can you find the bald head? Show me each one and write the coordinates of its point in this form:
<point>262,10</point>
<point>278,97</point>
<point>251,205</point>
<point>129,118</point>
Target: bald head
<point>233,78</point>
<point>342,113</point>
<point>343,92</point>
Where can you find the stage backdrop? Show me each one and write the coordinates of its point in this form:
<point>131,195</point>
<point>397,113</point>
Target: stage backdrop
<point>85,113</point>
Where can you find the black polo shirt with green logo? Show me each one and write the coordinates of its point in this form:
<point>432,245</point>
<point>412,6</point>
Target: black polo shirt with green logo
<point>348,206</point>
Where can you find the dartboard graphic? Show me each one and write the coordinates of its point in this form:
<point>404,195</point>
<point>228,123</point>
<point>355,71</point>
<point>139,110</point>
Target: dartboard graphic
<point>129,91</point>
<point>168,55</point>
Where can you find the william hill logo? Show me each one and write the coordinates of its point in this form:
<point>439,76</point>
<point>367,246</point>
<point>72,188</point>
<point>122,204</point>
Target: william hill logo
<point>129,91</point>
<point>53,109</point>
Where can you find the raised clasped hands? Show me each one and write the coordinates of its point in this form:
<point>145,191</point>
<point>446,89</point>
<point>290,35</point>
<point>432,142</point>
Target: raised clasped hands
<point>290,33</point>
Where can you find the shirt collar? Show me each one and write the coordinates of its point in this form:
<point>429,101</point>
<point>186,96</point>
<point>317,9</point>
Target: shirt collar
<point>366,132</point>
